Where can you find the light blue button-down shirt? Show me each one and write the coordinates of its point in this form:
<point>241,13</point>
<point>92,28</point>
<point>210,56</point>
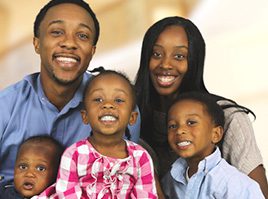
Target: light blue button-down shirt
<point>25,111</point>
<point>215,178</point>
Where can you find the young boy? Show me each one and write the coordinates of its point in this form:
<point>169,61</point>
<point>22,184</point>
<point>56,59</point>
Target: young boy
<point>36,167</point>
<point>195,126</point>
<point>105,165</point>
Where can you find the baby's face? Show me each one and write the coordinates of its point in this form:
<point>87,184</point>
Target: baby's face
<point>34,169</point>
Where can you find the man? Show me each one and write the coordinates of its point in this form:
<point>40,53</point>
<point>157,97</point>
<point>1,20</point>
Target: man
<point>65,36</point>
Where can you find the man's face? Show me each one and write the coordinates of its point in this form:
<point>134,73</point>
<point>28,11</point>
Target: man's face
<point>65,43</point>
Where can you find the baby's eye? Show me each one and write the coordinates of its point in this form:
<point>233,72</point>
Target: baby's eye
<point>98,99</point>
<point>23,166</point>
<point>119,100</point>
<point>40,168</point>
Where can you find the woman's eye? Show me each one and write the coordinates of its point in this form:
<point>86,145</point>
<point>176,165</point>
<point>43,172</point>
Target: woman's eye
<point>156,54</point>
<point>179,57</point>
<point>40,168</point>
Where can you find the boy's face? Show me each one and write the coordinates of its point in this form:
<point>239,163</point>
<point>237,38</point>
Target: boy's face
<point>34,169</point>
<point>65,43</point>
<point>108,105</point>
<point>191,131</point>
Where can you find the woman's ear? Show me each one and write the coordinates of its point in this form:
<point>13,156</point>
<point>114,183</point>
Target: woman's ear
<point>133,118</point>
<point>84,116</point>
<point>217,134</point>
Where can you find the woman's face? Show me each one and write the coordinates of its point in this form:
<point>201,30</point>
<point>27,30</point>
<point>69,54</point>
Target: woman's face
<point>168,63</point>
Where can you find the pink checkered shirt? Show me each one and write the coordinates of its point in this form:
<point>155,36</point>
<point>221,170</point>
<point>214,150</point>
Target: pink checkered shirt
<point>85,173</point>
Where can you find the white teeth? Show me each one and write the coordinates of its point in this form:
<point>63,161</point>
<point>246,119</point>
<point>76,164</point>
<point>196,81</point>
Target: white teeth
<point>66,59</point>
<point>108,118</point>
<point>166,79</point>
<point>184,143</point>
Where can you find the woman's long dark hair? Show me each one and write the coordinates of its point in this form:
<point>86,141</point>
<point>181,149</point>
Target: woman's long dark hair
<point>192,81</point>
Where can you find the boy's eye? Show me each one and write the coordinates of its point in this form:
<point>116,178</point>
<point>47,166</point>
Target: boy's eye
<point>41,168</point>
<point>172,126</point>
<point>23,166</point>
<point>83,36</point>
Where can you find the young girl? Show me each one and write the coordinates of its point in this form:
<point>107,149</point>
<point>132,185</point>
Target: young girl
<point>172,62</point>
<point>105,165</point>
<point>195,126</point>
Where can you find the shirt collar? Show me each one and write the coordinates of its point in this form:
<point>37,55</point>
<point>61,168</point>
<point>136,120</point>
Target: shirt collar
<point>35,82</point>
<point>180,165</point>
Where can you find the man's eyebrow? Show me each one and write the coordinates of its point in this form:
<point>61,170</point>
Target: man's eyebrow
<point>59,21</point>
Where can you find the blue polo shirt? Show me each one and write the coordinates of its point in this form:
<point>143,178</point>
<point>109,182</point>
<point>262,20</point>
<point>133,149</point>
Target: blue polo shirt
<point>25,111</point>
<point>215,178</point>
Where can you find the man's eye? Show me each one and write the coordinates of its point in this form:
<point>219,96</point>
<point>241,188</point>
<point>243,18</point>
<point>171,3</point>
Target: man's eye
<point>41,168</point>
<point>23,167</point>
<point>56,32</point>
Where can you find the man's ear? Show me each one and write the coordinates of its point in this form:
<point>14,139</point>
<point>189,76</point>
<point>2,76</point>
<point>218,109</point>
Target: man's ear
<point>133,118</point>
<point>93,50</point>
<point>217,134</point>
<point>84,116</point>
<point>36,44</point>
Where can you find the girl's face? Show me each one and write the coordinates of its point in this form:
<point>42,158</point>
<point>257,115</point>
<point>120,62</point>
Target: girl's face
<point>109,106</point>
<point>168,63</point>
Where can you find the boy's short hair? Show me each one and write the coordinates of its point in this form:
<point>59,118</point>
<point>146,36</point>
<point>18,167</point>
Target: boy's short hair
<point>42,13</point>
<point>208,101</point>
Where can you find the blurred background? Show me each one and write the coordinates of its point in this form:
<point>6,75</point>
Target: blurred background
<point>236,35</point>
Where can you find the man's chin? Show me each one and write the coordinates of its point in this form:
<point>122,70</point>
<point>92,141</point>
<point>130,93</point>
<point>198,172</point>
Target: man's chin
<point>65,82</point>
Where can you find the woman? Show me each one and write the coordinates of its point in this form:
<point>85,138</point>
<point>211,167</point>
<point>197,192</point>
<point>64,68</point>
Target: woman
<point>172,62</point>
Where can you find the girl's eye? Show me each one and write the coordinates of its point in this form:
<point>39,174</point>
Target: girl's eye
<point>40,168</point>
<point>83,36</point>
<point>23,167</point>
<point>191,122</point>
<point>119,100</point>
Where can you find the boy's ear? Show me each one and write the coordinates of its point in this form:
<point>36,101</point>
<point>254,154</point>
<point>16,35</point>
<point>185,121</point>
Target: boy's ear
<point>36,44</point>
<point>217,134</point>
<point>133,118</point>
<point>84,116</point>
